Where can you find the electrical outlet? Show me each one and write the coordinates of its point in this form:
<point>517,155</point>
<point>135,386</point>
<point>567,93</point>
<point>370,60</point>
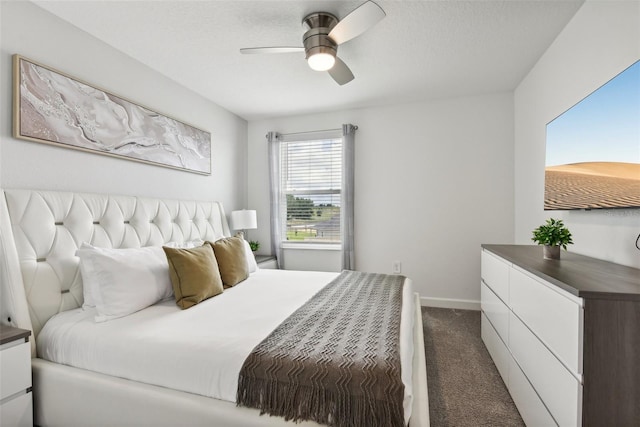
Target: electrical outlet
<point>396,267</point>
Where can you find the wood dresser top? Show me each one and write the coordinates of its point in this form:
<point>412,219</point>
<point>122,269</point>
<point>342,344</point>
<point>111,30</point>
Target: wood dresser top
<point>579,275</point>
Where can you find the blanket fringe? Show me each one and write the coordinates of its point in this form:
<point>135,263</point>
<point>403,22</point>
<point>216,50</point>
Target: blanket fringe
<point>300,403</point>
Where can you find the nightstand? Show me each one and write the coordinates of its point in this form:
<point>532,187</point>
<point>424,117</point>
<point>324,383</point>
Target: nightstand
<point>16,406</point>
<point>267,262</point>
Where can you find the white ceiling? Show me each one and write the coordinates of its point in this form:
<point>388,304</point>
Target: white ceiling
<point>422,50</point>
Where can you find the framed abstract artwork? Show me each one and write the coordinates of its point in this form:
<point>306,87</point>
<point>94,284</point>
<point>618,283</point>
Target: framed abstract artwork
<point>54,108</point>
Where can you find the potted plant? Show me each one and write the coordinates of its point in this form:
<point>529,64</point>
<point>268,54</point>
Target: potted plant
<point>553,235</point>
<point>254,244</point>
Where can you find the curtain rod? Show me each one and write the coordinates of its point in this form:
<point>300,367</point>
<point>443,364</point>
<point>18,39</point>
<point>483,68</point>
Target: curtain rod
<point>311,131</point>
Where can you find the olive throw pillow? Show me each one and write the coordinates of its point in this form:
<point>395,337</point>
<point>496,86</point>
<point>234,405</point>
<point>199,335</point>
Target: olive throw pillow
<point>194,274</point>
<point>232,260</point>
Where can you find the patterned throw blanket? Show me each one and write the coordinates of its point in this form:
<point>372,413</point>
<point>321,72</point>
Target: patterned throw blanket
<point>336,360</point>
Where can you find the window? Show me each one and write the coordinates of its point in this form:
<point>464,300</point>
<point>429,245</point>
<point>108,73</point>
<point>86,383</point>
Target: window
<point>311,189</point>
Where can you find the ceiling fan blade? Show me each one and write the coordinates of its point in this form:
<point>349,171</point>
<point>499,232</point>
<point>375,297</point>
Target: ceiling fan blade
<point>340,72</point>
<point>279,49</point>
<point>357,22</point>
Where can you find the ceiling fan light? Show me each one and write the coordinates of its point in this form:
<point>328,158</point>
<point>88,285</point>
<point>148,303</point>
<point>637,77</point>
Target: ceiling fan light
<point>321,61</point>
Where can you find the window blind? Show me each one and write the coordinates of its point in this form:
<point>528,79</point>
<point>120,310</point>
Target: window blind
<point>311,181</point>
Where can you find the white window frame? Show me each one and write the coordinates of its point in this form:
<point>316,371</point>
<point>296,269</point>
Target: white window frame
<point>301,137</point>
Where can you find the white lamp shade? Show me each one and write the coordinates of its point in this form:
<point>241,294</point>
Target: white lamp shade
<point>244,220</point>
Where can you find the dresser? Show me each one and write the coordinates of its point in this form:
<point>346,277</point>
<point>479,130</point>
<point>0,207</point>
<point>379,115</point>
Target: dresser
<point>16,406</point>
<point>564,335</point>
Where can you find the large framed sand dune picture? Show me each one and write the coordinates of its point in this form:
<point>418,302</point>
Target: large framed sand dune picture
<point>593,149</point>
<point>54,108</point>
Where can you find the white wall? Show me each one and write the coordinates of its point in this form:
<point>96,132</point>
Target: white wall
<point>433,181</point>
<point>30,31</point>
<point>600,41</point>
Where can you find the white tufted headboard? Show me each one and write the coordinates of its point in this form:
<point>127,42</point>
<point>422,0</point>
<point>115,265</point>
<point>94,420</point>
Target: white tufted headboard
<point>40,232</point>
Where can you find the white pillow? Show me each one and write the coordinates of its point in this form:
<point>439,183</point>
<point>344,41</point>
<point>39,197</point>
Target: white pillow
<point>122,281</point>
<point>88,282</point>
<point>185,245</point>
<point>251,259</point>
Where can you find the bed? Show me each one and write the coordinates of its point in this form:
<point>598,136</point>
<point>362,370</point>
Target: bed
<point>40,232</point>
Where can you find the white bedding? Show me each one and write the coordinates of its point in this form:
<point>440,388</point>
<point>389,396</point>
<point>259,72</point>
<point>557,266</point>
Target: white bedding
<point>200,350</point>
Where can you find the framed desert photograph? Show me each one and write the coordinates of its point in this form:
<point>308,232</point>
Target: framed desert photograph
<point>593,149</point>
<point>54,108</point>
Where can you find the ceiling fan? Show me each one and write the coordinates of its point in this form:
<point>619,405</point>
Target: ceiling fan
<point>324,34</point>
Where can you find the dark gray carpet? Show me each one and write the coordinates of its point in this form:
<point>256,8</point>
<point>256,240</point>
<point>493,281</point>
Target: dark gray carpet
<point>465,388</point>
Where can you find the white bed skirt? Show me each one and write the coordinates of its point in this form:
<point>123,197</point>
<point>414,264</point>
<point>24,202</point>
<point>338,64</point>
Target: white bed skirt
<point>65,396</point>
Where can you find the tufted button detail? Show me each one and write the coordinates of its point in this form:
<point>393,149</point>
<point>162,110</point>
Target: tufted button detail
<point>65,291</point>
<point>41,260</point>
<point>58,223</point>
<point>96,222</point>
<point>127,222</point>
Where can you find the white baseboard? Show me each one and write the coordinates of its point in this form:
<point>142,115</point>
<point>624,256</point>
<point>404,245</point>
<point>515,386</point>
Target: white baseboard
<point>461,304</point>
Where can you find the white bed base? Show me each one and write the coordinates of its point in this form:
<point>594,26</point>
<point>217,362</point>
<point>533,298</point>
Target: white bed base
<point>39,277</point>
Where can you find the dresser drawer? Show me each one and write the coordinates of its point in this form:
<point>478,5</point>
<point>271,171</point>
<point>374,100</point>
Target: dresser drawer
<point>497,349</point>
<point>496,311</point>
<point>531,408</point>
<point>15,365</point>
<point>554,316</point>
<point>17,412</point>
<point>495,273</point>
<point>560,391</point>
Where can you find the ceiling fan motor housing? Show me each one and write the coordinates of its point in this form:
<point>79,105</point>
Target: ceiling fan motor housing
<point>316,39</point>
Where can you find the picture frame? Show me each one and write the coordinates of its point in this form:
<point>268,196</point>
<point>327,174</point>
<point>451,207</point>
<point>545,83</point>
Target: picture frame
<point>52,107</point>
